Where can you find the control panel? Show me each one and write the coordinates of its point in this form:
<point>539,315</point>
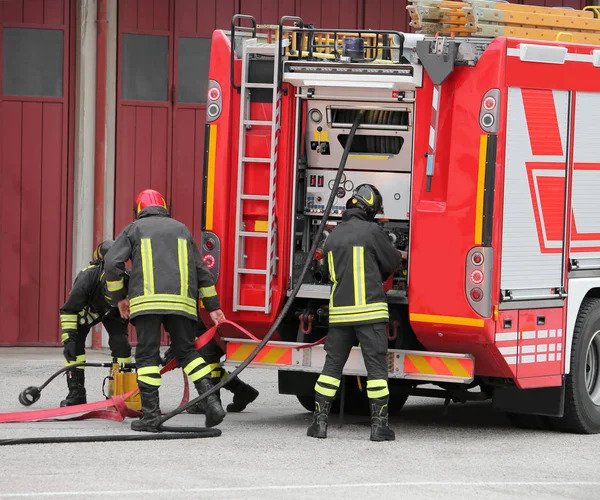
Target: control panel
<point>393,186</point>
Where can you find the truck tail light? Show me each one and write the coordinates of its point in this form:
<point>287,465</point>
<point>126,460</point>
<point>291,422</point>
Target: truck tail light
<point>211,252</point>
<point>489,112</point>
<point>215,101</point>
<point>478,280</point>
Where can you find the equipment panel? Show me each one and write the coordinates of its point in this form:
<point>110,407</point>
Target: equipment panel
<point>394,188</point>
<point>383,141</point>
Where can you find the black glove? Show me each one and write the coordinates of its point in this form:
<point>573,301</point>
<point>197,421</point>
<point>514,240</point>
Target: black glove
<point>69,350</point>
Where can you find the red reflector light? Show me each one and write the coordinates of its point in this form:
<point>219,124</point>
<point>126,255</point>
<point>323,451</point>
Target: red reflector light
<point>477,258</point>
<point>489,103</point>
<point>209,243</point>
<point>476,276</point>
<point>476,294</point>
<point>318,254</point>
<point>209,260</point>
<point>214,93</point>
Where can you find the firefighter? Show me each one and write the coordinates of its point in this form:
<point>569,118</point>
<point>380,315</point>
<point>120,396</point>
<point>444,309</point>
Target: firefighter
<point>243,394</point>
<point>360,258</point>
<point>167,278</point>
<point>89,304</point>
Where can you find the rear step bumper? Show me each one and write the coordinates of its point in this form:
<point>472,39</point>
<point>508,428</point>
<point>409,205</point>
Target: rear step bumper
<point>409,365</point>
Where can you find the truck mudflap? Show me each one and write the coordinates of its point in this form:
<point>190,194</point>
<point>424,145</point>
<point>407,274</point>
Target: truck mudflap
<point>402,364</point>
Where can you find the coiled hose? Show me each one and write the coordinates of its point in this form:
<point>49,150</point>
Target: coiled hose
<point>201,432</point>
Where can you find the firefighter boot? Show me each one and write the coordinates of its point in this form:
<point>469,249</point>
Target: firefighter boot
<point>379,420</point>
<point>200,408</point>
<point>243,395</point>
<point>212,404</point>
<point>76,385</point>
<point>318,428</point>
<point>150,420</point>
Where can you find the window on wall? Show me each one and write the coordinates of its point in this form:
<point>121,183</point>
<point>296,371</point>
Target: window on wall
<point>32,63</point>
<point>145,68</point>
<point>192,69</point>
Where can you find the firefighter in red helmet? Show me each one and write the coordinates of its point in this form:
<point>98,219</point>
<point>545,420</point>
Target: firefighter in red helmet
<point>168,277</point>
<point>360,258</point>
<point>89,304</point>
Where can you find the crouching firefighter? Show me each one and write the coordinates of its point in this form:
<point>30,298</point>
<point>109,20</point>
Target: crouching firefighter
<point>243,393</point>
<point>360,258</point>
<point>89,304</point>
<point>167,278</point>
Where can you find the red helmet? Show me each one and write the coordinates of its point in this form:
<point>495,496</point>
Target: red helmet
<point>148,198</point>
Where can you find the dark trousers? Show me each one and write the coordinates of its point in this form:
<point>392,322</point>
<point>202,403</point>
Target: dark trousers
<point>118,335</point>
<point>373,343</point>
<point>147,353</point>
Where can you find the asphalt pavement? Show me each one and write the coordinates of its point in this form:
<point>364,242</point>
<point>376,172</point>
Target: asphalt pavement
<point>263,453</point>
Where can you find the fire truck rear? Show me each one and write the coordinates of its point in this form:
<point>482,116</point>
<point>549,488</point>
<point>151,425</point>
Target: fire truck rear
<point>485,152</point>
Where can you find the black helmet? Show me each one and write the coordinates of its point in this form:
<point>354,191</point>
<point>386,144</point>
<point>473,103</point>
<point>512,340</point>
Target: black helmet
<point>101,250</point>
<point>368,198</point>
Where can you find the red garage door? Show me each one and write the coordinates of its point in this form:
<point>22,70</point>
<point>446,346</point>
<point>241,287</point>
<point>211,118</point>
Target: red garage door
<point>163,53</point>
<point>34,187</point>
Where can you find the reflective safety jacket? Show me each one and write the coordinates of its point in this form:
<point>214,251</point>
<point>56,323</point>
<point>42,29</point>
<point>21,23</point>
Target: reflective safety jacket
<point>88,301</point>
<point>360,258</point>
<point>168,275</point>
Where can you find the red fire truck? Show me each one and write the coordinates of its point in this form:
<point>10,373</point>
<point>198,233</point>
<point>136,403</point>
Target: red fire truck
<point>486,154</point>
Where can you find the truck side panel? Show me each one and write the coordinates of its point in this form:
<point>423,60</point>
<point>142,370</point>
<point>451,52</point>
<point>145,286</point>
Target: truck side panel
<point>533,218</point>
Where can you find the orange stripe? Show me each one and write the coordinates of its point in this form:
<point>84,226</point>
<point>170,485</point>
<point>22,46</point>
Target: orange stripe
<point>438,366</point>
<point>467,364</point>
<point>408,366</point>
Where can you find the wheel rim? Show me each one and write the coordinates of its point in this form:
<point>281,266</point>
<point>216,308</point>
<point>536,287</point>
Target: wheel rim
<point>592,368</point>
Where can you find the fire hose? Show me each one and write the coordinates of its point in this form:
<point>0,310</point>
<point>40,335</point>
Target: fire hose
<point>197,432</point>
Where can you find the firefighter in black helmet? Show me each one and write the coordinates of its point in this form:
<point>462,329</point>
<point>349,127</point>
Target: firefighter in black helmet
<point>360,258</point>
<point>89,304</point>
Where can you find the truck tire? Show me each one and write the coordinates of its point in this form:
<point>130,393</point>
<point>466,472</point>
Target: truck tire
<point>582,398</point>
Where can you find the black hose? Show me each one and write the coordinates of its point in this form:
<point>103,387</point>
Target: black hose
<point>296,288</point>
<point>200,432</point>
<point>125,437</point>
<point>31,394</point>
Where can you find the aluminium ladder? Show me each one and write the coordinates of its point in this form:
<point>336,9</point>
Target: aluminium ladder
<point>252,48</point>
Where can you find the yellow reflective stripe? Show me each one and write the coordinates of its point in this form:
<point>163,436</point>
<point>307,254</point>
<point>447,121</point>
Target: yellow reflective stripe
<point>208,291</point>
<point>358,264</point>
<point>377,388</point>
<point>115,286</point>
<point>125,360</point>
<point>330,393</point>
<point>193,364</point>
<point>378,394</point>
<point>182,254</point>
<point>64,337</point>
<point>68,317</point>
<point>161,306</point>
<point>175,299</point>
<point>147,269</point>
<point>69,326</point>
<point>326,379</point>
<point>197,375</point>
<point>148,370</point>
<point>344,318</point>
<point>79,359</point>
<point>365,308</point>
<point>332,276</point>
<point>150,380</point>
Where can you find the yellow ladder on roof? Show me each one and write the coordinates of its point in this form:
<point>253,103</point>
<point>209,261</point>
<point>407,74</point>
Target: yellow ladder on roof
<point>491,19</point>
